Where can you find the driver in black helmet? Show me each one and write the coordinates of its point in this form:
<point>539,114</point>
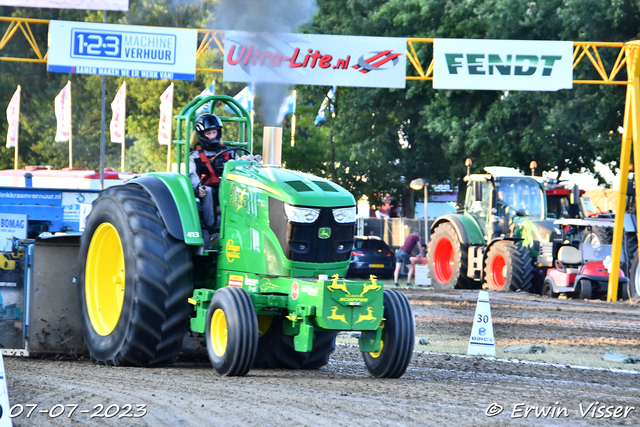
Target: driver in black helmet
<point>204,171</point>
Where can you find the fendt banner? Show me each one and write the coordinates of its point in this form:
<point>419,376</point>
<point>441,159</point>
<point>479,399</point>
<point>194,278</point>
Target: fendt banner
<point>122,5</point>
<point>502,65</point>
<point>122,50</point>
<point>313,59</point>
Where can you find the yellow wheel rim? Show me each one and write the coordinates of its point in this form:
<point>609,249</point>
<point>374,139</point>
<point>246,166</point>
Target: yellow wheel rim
<point>105,279</point>
<point>264,323</point>
<point>376,354</point>
<point>219,332</point>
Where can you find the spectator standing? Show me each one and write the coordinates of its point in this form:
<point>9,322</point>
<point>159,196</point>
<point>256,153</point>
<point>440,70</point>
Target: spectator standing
<point>403,256</point>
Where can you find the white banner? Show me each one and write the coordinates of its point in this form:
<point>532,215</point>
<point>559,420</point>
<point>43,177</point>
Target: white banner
<point>315,59</point>
<point>118,109</point>
<point>63,114</point>
<point>71,4</point>
<point>502,65</point>
<point>166,116</point>
<point>122,50</point>
<point>13,117</point>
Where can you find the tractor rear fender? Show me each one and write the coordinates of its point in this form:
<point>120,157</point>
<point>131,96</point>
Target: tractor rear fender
<point>468,231</point>
<point>176,202</point>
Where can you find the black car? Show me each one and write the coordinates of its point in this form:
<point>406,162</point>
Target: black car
<point>371,255</point>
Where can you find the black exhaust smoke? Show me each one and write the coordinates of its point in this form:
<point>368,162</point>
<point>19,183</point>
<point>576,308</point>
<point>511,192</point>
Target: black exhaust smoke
<point>271,16</point>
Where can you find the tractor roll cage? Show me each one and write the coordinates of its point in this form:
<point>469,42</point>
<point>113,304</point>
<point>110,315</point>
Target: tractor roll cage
<point>186,119</point>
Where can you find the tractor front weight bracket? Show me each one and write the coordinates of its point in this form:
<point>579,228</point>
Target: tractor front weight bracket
<point>369,341</point>
<point>200,300</point>
<point>301,328</point>
<point>261,301</point>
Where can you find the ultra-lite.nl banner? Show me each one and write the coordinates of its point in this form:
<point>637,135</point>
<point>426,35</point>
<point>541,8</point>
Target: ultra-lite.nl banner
<point>315,59</point>
<point>502,64</point>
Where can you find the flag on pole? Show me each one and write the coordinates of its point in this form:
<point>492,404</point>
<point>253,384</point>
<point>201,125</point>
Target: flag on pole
<point>119,114</point>
<point>206,108</point>
<point>245,97</point>
<point>13,117</point>
<point>166,111</point>
<point>288,107</point>
<point>327,103</point>
<point>63,114</point>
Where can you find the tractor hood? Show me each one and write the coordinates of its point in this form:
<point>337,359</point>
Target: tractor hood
<point>292,187</point>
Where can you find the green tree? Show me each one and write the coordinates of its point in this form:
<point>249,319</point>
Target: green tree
<point>564,130</point>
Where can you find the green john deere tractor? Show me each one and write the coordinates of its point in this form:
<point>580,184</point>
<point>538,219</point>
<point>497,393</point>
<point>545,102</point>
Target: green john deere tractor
<point>268,293</point>
<point>501,238</point>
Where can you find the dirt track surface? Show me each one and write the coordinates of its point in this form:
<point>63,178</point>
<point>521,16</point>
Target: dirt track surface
<point>437,389</point>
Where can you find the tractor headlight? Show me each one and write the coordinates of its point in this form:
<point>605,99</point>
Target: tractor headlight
<point>302,215</point>
<point>345,215</point>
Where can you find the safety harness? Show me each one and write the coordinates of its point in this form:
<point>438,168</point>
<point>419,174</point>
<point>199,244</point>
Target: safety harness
<point>213,179</point>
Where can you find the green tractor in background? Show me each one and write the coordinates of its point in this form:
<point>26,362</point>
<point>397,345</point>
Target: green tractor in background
<point>268,293</point>
<point>495,242</point>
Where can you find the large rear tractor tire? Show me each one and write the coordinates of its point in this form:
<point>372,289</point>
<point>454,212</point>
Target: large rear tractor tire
<point>598,235</point>
<point>398,338</point>
<point>633,288</point>
<point>232,332</point>
<point>134,281</point>
<point>276,350</point>
<point>631,246</point>
<point>508,267</point>
<point>448,260</point>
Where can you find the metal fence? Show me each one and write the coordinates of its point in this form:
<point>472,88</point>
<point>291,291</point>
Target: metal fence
<point>392,230</point>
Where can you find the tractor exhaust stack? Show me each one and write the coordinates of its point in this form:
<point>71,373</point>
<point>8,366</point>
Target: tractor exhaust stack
<point>272,146</point>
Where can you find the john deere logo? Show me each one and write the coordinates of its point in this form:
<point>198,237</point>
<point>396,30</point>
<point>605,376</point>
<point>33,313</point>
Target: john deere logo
<point>324,233</point>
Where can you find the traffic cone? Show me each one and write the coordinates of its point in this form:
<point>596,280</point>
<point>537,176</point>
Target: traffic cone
<point>481,340</point>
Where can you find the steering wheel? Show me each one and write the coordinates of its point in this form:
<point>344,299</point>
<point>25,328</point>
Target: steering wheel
<point>219,169</point>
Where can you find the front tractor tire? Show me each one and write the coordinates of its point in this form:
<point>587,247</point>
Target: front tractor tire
<point>398,338</point>
<point>508,267</point>
<point>134,281</point>
<point>231,332</point>
<point>448,260</point>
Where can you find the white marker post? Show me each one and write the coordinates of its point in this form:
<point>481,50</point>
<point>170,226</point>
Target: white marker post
<point>5,421</point>
<point>481,340</point>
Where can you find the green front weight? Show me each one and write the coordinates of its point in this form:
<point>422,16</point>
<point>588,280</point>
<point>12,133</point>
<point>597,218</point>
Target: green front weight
<point>304,340</point>
<point>201,300</point>
<point>370,340</point>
